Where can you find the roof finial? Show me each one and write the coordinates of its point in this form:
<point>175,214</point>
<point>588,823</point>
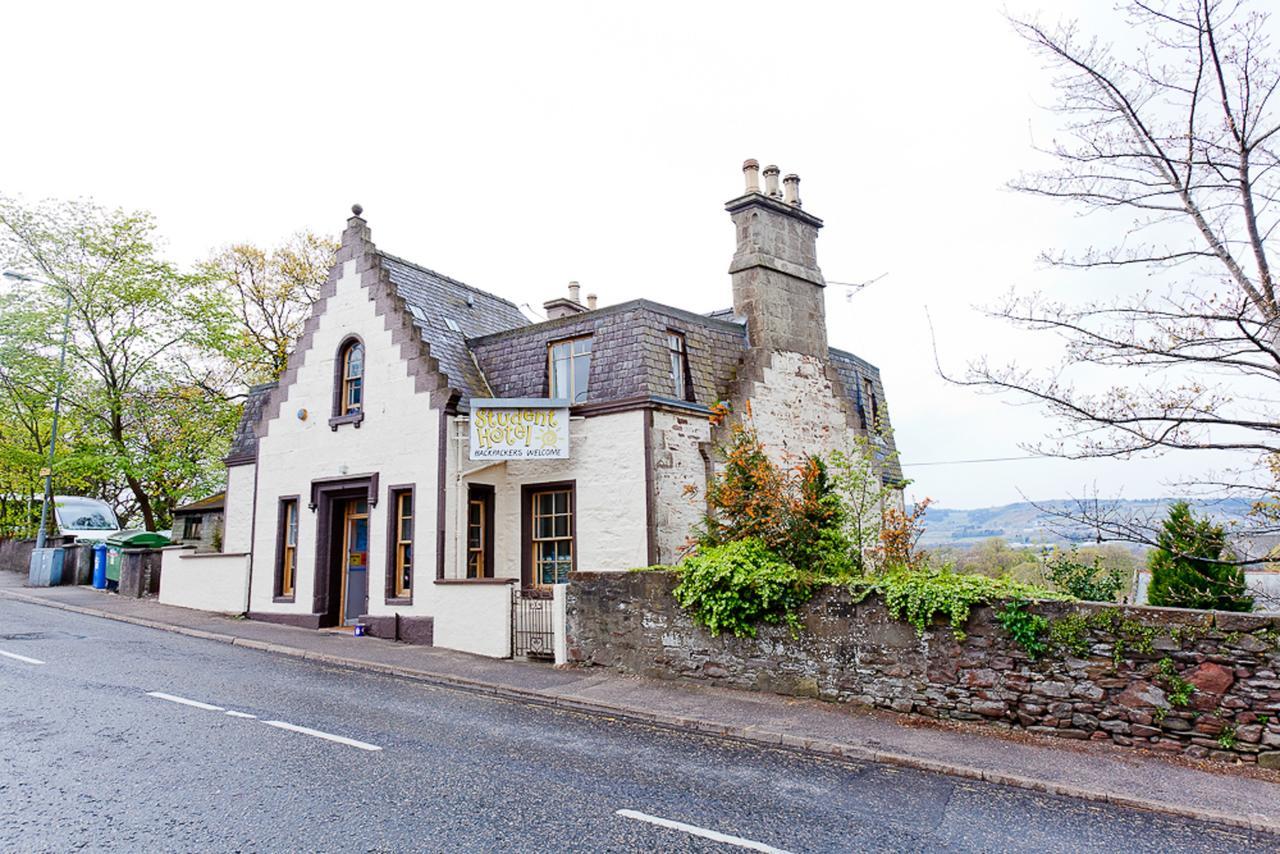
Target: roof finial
<point>357,210</point>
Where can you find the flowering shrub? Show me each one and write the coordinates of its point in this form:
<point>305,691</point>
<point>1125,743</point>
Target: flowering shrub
<point>793,511</point>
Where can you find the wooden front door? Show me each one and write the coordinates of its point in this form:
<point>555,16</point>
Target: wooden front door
<point>355,560</point>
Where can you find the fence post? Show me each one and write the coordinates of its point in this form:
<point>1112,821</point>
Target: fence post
<point>558,621</point>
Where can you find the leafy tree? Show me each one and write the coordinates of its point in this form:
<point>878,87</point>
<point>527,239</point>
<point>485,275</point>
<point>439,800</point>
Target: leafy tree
<point>147,342</point>
<point>272,291</point>
<point>855,477</point>
<point>794,511</point>
<point>1176,143</point>
<point>1189,567</point>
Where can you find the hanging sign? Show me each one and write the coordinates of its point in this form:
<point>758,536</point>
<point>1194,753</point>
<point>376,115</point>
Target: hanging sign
<point>519,428</point>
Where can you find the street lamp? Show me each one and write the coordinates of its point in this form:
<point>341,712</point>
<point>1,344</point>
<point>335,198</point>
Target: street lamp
<point>57,404</point>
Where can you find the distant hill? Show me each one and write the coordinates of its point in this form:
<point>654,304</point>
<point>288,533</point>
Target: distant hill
<point>1027,524</point>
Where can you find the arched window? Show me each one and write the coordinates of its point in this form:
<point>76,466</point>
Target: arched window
<point>348,387</point>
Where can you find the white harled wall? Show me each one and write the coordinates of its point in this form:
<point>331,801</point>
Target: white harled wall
<point>238,523</point>
<point>398,439</point>
<point>607,466</point>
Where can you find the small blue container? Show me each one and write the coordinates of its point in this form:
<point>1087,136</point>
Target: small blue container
<point>100,566</point>
<point>359,627</point>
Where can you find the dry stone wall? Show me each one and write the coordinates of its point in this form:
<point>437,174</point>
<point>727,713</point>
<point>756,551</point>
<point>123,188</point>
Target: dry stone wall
<point>1203,684</point>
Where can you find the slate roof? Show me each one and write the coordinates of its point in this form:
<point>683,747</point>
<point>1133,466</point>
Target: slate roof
<point>244,442</point>
<point>486,347</point>
<point>629,357</point>
<point>852,371</point>
<point>204,505</point>
<point>437,301</point>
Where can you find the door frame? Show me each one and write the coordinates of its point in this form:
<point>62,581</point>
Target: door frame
<point>483,493</point>
<point>326,493</point>
<point>348,517</point>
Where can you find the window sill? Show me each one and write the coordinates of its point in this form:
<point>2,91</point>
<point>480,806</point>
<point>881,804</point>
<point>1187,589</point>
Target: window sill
<point>399,600</point>
<point>476,580</point>
<point>284,600</point>
<point>353,418</point>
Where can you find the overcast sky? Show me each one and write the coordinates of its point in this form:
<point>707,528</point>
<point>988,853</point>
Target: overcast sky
<point>518,146</point>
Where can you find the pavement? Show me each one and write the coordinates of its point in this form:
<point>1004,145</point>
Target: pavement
<point>1234,796</point>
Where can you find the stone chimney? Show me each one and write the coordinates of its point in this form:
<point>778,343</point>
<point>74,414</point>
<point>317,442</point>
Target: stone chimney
<point>561,307</point>
<point>591,302</point>
<point>777,286</point>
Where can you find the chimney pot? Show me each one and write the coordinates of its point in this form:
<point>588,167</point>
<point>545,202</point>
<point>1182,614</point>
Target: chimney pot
<point>771,181</point>
<point>591,302</point>
<point>575,291</point>
<point>791,189</point>
<point>751,169</point>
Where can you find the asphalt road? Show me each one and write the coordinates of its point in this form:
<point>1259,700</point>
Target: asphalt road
<point>90,760</point>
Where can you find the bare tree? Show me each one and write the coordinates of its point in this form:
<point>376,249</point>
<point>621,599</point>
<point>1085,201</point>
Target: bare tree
<point>1177,144</point>
<point>272,292</point>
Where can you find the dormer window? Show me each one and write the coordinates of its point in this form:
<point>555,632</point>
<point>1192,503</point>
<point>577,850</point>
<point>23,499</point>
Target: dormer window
<point>569,368</point>
<point>348,390</point>
<point>869,390</point>
<point>677,351</point>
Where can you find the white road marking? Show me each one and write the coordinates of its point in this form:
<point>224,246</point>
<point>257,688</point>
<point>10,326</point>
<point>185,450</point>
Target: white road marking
<point>173,698</point>
<point>159,695</point>
<point>351,742</point>
<point>17,657</point>
<point>694,830</point>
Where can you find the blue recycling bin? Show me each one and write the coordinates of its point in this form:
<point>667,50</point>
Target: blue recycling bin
<point>100,566</point>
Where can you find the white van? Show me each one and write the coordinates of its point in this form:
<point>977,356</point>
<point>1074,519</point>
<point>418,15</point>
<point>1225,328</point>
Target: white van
<point>84,518</point>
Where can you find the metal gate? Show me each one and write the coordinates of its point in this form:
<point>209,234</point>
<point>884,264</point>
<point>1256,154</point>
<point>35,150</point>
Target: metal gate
<point>532,630</point>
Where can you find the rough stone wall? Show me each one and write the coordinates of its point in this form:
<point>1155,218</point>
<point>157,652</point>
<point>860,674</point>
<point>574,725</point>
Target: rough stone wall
<point>680,449</point>
<point>797,409</point>
<point>1113,684</point>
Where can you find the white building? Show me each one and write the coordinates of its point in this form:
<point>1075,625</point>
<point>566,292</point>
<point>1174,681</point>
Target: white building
<point>356,492</point>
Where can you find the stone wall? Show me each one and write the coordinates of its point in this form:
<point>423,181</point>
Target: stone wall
<point>1114,674</point>
<point>681,451</point>
<point>15,555</point>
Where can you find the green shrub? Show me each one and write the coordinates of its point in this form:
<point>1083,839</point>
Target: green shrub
<point>793,510</point>
<point>1027,629</point>
<point>733,586</point>
<point>1190,567</point>
<point>920,595</point>
<point>1088,581</point>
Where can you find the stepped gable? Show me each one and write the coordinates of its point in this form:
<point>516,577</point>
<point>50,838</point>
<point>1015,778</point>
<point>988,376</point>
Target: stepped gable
<point>446,313</point>
<point>244,442</point>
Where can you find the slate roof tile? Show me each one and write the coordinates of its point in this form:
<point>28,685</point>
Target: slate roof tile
<point>435,300</point>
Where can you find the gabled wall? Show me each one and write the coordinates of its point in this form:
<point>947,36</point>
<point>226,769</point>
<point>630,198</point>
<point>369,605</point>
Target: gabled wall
<point>398,438</point>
